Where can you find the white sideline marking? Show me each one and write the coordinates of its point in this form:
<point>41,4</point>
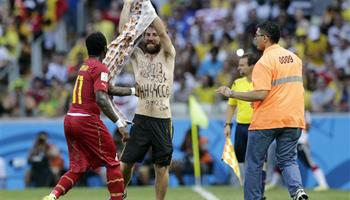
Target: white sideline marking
<point>204,193</point>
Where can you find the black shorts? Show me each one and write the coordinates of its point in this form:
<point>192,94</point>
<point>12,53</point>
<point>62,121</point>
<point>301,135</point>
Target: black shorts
<point>241,140</point>
<point>149,132</point>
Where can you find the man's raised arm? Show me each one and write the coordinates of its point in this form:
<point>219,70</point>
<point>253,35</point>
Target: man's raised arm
<point>164,37</point>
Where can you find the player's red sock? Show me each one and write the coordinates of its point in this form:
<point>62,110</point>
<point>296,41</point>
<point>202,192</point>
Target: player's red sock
<point>65,183</point>
<point>115,182</point>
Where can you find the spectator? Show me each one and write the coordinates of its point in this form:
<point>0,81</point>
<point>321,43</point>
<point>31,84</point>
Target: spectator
<point>185,166</point>
<point>335,30</point>
<point>205,92</point>
<point>46,163</point>
<point>56,162</point>
<point>316,48</point>
<point>17,103</point>
<point>105,26</point>
<point>5,56</point>
<point>57,68</point>
<point>225,77</point>
<point>74,69</point>
<point>77,51</point>
<point>54,99</point>
<point>24,58</point>
<point>300,41</point>
<point>206,44</point>
<point>40,174</point>
<point>36,91</point>
<point>189,59</point>
<point>183,88</point>
<point>10,37</point>
<point>211,66</point>
<point>250,28</point>
<point>322,99</point>
<point>344,103</point>
<point>300,20</point>
<point>242,10</point>
<point>113,13</point>
<point>341,54</point>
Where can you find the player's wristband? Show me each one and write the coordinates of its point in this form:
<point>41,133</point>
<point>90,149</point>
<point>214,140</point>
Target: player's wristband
<point>133,91</point>
<point>121,123</point>
<point>227,124</point>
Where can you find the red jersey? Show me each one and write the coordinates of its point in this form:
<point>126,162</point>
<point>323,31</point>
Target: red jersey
<point>92,77</point>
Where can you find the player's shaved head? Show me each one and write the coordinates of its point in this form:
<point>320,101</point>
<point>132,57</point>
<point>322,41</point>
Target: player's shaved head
<point>96,44</point>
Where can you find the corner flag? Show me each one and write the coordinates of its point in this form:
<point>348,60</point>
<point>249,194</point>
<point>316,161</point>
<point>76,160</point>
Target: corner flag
<point>229,157</point>
<point>198,118</point>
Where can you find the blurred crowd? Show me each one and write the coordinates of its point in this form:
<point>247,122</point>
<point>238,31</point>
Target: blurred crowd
<point>46,163</point>
<point>206,34</point>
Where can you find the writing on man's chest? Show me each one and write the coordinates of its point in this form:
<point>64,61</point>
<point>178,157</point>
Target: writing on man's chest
<point>152,71</point>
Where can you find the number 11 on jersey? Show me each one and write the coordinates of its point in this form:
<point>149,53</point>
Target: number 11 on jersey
<point>78,85</point>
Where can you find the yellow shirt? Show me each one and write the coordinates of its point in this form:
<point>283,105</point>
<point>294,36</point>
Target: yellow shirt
<point>244,108</point>
<point>220,4</point>
<point>107,28</point>
<point>50,14</point>
<point>205,95</point>
<point>317,49</point>
<point>224,78</point>
<point>307,97</point>
<point>202,50</point>
<point>165,10</point>
<point>300,49</point>
<point>346,14</point>
<point>11,39</point>
<point>78,48</point>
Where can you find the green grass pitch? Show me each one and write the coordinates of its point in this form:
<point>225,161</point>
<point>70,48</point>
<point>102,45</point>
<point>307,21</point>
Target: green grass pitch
<point>180,193</point>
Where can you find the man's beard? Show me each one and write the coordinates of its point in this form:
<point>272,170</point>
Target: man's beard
<point>152,50</point>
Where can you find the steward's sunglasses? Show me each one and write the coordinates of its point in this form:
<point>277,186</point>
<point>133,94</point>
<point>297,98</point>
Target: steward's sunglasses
<point>258,35</point>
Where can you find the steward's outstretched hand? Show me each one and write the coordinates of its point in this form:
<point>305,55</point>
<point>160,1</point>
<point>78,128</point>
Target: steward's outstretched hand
<point>224,90</point>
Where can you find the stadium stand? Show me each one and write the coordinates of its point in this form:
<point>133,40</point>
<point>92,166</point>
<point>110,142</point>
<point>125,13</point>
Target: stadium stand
<point>42,46</point>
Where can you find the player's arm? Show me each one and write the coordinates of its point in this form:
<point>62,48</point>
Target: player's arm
<point>123,91</point>
<point>100,87</point>
<point>165,40</point>
<point>106,105</point>
<point>124,16</point>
